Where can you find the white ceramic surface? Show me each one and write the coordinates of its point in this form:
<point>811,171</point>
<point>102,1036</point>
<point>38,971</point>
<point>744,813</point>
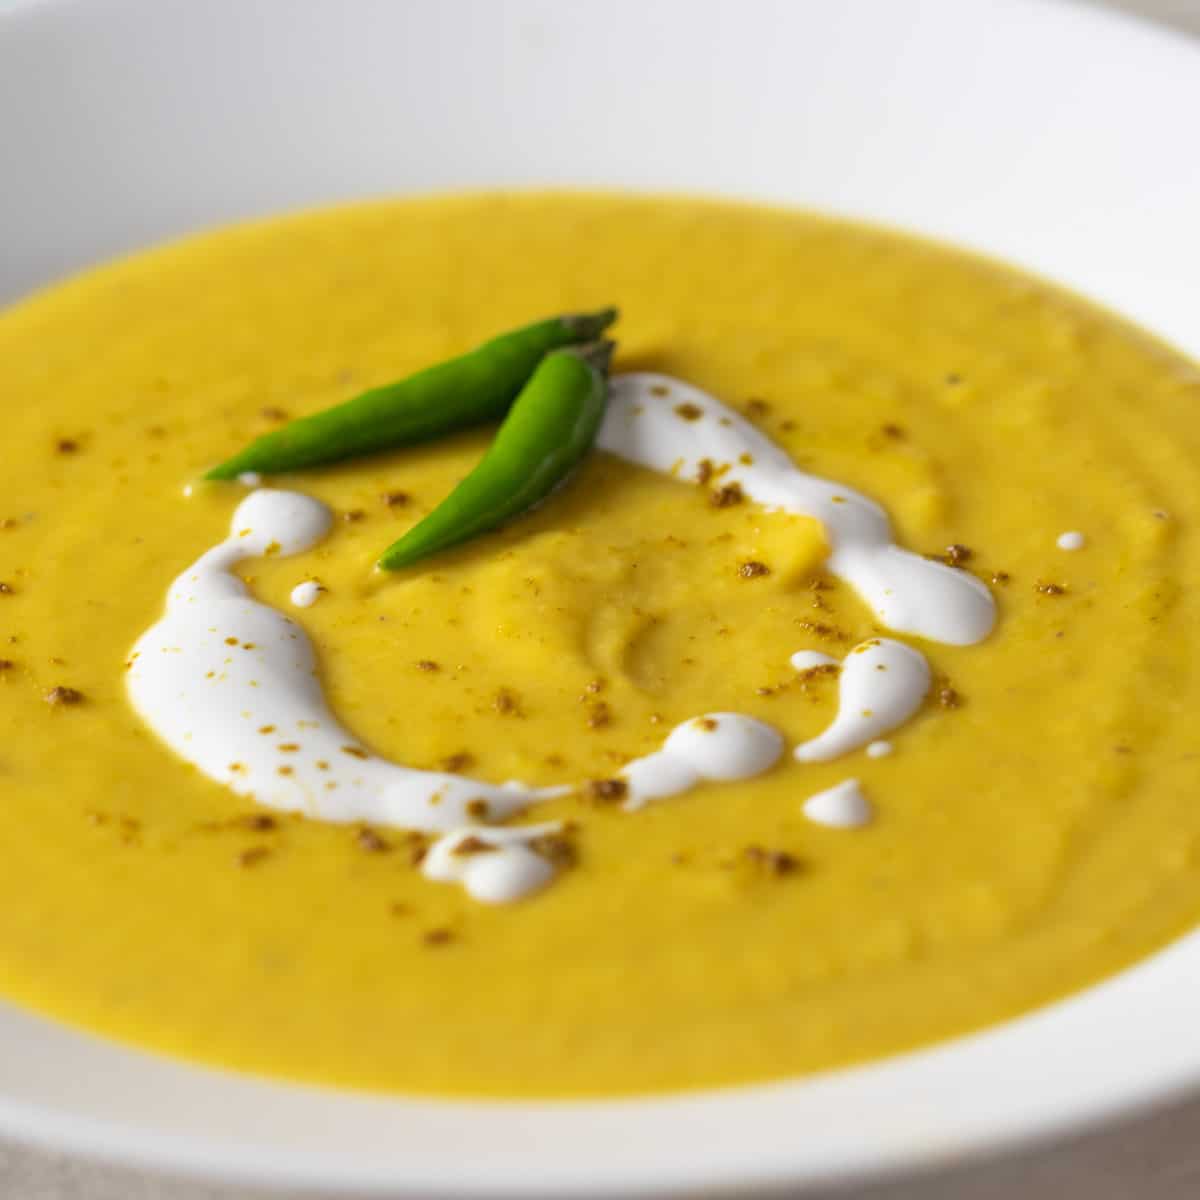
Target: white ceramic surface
<point>1051,135</point>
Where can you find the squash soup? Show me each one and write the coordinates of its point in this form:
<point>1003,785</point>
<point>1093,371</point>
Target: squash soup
<point>838,701</point>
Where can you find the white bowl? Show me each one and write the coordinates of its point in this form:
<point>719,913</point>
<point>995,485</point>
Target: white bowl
<point>1051,135</point>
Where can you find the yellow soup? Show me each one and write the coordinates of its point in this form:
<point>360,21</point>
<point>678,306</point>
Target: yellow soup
<point>1034,828</point>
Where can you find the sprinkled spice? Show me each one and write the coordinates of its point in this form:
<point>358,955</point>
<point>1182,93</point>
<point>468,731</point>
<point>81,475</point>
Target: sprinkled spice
<point>727,496</point>
<point>773,862</point>
<point>895,432</point>
<point>1000,577</point>
<point>949,697</point>
<point>284,771</point>
<point>507,703</point>
<point>271,412</point>
<point>395,499</point>
<point>606,791</point>
<point>704,471</point>
<point>266,729</point>
<point>556,849</point>
<point>66,446</point>
<point>708,724</point>
<point>437,937</point>
<point>258,822</point>
<point>288,747</point>
<point>6,589</point>
<point>398,909</point>
<point>473,845</point>
<point>689,412</point>
<point>753,570</point>
<point>6,664</point>
<point>61,697</point>
<point>659,389</point>
<point>757,408</point>
<point>599,715</point>
<point>830,633</point>
<point>458,762</point>
<point>253,856</point>
<point>369,840</point>
<point>427,664</point>
<point>1051,589</point>
<point>9,523</point>
<point>354,751</point>
<point>353,515</point>
<point>478,808</point>
<point>958,555</point>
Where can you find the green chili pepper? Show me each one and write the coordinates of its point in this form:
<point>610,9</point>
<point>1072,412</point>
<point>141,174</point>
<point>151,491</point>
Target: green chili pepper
<point>549,428</point>
<point>478,386</point>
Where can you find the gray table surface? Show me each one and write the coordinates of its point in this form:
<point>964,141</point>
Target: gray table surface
<point>1156,1157</point>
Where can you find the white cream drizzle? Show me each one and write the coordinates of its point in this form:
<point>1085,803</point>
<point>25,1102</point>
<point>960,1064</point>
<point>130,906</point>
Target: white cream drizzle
<point>1071,540</point>
<point>304,595</point>
<point>842,806</point>
<point>906,592</point>
<point>506,872</point>
<point>715,748</point>
<point>881,685</point>
<point>879,749</point>
<point>231,684</point>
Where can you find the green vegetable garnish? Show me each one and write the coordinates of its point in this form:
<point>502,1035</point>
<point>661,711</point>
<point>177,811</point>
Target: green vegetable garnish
<point>478,386</point>
<point>549,428</point>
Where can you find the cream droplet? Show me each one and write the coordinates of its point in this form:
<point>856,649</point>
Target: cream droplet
<point>842,806</point>
<point>304,595</point>
<point>250,479</point>
<point>1072,540</point>
<point>879,749</point>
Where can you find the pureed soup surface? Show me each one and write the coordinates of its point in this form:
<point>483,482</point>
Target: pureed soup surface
<point>1033,829</point>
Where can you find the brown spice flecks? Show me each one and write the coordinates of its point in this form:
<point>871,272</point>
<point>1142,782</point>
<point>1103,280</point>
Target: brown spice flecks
<point>507,703</point>
<point>1000,577</point>
<point>6,589</point>
<point>949,697</point>
<point>63,696</point>
<point>369,840</point>
<point>9,523</point>
<point>355,751</point>
<point>1051,589</point>
<point>599,715</point>
<point>474,845</point>
<point>820,629</point>
<point>417,852</point>
<point>704,471</point>
<point>427,664</point>
<point>284,771</point>
<point>454,763</point>
<point>757,408</point>
<point>753,570</point>
<point>266,729</point>
<point>259,822</point>
<point>437,937</point>
<point>395,499</point>
<point>660,389</point>
<point>747,460</point>
<point>288,747</point>
<point>606,791</point>
<point>592,687</point>
<point>353,515</point>
<point>708,724</point>
<point>775,862</point>
<point>895,432</point>
<point>957,555</point>
<point>271,412</point>
<point>478,808</point>
<point>953,378</point>
<point>231,641</point>
<point>253,856</point>
<point>66,446</point>
<point>399,909</point>
<point>814,673</point>
<point>6,664</point>
<point>689,412</point>
<point>727,496</point>
<point>555,848</point>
